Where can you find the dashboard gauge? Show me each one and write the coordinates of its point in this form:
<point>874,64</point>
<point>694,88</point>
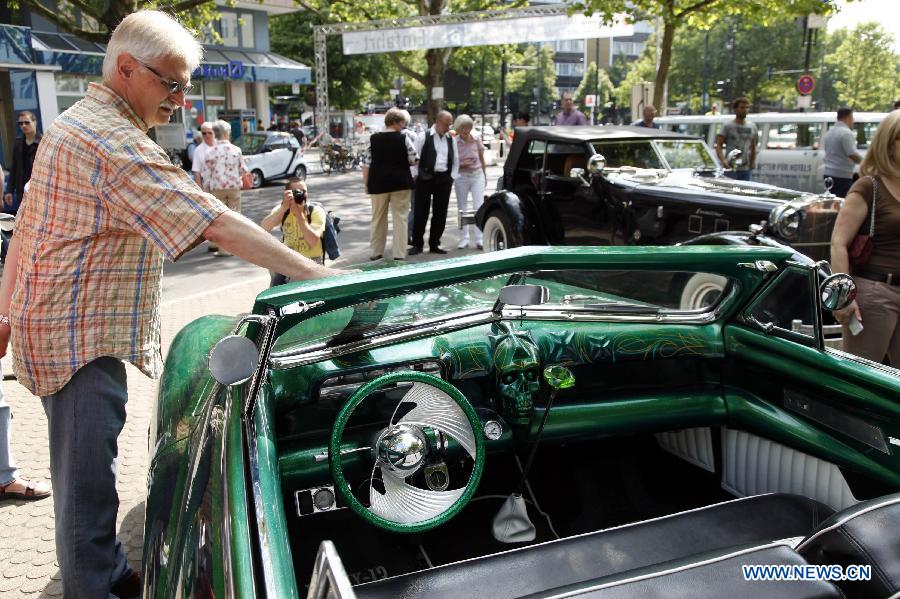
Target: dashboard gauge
<point>493,430</point>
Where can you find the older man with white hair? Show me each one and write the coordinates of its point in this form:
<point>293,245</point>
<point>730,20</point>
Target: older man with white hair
<point>208,137</point>
<point>104,208</point>
<point>222,170</point>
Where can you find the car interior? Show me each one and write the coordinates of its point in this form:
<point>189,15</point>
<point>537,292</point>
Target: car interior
<point>655,460</point>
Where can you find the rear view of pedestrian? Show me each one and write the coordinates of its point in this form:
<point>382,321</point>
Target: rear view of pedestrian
<point>472,175</point>
<point>841,155</point>
<point>223,165</point>
<point>386,175</point>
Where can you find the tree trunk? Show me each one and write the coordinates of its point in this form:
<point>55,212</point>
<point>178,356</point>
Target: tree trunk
<point>434,77</point>
<point>665,60</point>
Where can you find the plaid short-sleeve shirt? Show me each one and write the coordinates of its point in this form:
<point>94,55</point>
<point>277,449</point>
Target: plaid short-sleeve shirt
<point>104,207</point>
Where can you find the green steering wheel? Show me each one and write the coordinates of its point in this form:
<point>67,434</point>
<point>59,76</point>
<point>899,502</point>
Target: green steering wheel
<point>409,450</point>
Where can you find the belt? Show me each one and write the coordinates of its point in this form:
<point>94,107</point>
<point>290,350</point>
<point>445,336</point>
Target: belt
<point>891,278</point>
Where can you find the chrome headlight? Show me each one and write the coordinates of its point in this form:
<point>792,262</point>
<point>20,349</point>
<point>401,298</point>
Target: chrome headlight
<point>786,220</point>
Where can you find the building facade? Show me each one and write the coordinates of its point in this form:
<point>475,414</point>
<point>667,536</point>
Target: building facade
<point>46,70</point>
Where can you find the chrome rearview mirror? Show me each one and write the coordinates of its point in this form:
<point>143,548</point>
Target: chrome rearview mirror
<point>596,164</point>
<point>524,295</point>
<point>837,291</point>
<point>233,360</point>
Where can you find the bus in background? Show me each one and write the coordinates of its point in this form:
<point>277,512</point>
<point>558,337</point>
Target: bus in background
<point>789,153</point>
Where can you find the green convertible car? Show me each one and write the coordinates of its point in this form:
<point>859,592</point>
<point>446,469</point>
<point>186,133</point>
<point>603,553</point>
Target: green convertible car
<point>537,422</point>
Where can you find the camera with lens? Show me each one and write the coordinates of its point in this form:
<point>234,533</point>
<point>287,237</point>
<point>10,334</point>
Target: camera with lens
<point>299,195</point>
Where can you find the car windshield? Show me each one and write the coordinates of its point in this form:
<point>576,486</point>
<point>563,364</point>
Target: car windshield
<point>656,154</point>
<point>578,292</point>
<point>249,143</point>
<point>686,153</point>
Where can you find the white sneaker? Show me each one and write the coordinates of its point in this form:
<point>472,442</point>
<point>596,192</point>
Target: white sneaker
<point>462,245</point>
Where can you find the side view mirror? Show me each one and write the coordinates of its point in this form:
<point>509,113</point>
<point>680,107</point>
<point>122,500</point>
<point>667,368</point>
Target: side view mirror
<point>837,291</point>
<point>733,158</point>
<point>596,164</point>
<point>233,360</point>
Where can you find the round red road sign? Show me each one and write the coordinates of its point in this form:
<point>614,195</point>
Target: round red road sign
<point>806,84</point>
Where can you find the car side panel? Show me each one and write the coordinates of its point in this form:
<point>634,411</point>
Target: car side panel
<point>763,373</point>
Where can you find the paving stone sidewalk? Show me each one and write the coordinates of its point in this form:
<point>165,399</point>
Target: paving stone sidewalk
<point>28,565</point>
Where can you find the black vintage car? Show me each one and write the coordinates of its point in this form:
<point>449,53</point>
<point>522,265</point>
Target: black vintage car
<point>631,185</point>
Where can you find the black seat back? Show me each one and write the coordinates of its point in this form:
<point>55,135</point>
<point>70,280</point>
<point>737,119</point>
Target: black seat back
<point>866,534</point>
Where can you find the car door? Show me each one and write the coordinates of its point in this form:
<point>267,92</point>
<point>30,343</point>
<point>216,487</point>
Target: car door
<point>783,384</point>
<point>276,156</point>
<point>570,213</point>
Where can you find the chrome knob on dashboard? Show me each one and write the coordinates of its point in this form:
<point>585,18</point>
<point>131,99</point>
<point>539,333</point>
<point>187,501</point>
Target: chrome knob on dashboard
<point>402,448</point>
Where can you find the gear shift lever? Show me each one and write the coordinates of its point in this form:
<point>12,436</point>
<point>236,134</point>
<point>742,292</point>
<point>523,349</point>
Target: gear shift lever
<point>511,524</point>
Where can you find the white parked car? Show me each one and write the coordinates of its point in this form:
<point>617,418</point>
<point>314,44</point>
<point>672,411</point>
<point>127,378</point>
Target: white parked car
<point>272,155</point>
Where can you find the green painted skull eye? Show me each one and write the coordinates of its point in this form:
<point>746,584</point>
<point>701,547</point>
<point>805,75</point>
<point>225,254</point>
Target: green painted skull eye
<point>509,378</point>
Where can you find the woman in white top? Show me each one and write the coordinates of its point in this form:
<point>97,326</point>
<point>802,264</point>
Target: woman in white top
<point>472,175</point>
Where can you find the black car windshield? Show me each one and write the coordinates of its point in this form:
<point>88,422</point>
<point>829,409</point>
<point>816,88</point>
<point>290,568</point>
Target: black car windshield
<point>620,292</point>
<point>685,153</point>
<point>656,154</point>
<point>250,143</point>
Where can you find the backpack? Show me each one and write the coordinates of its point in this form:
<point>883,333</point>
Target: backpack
<point>329,236</point>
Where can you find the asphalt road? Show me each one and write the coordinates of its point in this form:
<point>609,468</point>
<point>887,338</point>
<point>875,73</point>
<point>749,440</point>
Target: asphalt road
<point>199,270</point>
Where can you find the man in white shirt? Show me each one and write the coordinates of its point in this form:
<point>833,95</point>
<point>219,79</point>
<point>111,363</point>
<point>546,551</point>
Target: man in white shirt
<point>209,140</point>
<point>438,167</point>
<point>841,156</point>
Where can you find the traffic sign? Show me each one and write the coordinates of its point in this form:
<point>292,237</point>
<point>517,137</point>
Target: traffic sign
<point>806,84</point>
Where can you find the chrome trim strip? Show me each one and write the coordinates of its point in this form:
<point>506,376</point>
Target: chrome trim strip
<point>329,579</point>
<point>680,317</point>
<point>258,509</point>
<point>846,519</point>
<point>853,358</point>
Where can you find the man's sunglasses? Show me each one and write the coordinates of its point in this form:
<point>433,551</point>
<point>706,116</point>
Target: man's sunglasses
<point>21,123</point>
<point>173,86</point>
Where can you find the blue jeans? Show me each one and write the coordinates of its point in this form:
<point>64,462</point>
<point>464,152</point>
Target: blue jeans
<point>739,175</point>
<point>8,471</point>
<point>85,418</point>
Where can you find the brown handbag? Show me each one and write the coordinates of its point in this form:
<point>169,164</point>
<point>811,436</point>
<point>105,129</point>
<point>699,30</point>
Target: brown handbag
<point>861,249</point>
<point>247,180</point>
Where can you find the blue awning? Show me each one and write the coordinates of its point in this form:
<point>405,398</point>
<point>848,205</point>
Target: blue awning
<point>75,55</point>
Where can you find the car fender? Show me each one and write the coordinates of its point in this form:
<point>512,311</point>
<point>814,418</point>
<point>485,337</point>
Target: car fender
<point>510,204</point>
<point>747,238</point>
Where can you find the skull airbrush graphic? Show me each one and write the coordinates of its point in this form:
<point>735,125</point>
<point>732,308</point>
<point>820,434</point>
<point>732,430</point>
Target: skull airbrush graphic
<point>518,367</point>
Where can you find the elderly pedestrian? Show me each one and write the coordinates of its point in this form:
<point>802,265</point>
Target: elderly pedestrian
<point>472,176</point>
<point>841,155</point>
<point>104,208</point>
<point>221,172</point>
<point>388,181</point>
<point>438,168</point>
<point>209,141</point>
<point>569,115</point>
<point>23,153</point>
<point>738,134</point>
<point>876,194</point>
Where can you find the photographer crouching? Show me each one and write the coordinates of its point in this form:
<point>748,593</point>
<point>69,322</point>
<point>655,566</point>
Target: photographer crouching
<point>302,224</point>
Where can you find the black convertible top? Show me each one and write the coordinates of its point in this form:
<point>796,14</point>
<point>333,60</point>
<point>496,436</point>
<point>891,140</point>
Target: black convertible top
<point>580,134</point>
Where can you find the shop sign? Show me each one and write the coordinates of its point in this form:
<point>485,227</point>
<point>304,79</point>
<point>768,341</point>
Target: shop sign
<point>233,70</point>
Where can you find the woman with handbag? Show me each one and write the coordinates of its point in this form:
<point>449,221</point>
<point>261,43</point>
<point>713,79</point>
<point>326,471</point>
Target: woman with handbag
<point>866,243</point>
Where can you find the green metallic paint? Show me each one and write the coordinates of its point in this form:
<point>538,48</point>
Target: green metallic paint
<point>517,365</point>
<point>275,543</point>
<point>186,379</point>
<point>335,459</point>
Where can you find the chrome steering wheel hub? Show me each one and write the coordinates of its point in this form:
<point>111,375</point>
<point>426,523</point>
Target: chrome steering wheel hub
<point>402,449</point>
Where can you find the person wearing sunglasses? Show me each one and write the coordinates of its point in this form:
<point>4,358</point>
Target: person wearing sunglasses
<point>24,151</point>
<point>104,208</point>
<point>208,141</point>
